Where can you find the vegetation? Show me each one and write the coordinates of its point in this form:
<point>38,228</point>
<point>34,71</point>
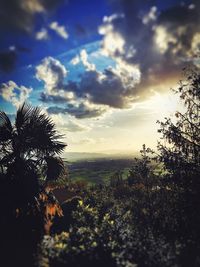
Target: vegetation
<point>98,171</point>
<point>149,218</point>
<point>28,162</point>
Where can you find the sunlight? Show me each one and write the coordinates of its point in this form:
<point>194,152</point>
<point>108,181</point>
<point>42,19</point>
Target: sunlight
<point>164,105</point>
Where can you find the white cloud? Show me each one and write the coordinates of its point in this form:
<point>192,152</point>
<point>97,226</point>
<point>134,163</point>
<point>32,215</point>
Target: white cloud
<point>113,42</point>
<point>163,38</point>
<point>84,60</point>
<point>75,60</point>
<point>195,46</point>
<point>32,6</point>
<point>42,34</point>
<point>59,29</point>
<point>12,48</point>
<point>52,72</point>
<point>65,123</point>
<point>191,6</point>
<point>150,16</point>
<point>13,93</point>
<point>109,19</point>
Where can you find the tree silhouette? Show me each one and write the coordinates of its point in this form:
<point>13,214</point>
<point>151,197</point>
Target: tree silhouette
<point>29,150</point>
<point>182,156</point>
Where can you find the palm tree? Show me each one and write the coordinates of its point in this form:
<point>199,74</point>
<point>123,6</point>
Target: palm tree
<point>32,137</point>
<point>29,159</point>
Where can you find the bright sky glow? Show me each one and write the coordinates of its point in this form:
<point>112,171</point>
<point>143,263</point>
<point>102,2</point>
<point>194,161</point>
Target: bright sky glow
<point>102,70</point>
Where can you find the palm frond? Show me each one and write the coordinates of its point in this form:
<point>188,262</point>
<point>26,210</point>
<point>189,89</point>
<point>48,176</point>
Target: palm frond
<point>40,133</point>
<point>23,116</point>
<point>55,168</point>
<point>5,127</point>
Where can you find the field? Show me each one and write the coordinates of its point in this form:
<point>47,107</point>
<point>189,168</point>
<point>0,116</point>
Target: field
<point>98,171</point>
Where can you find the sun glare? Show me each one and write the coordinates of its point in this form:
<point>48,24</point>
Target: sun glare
<point>164,105</point>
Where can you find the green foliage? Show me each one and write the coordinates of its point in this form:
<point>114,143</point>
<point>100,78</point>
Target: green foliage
<point>110,232</point>
<point>141,171</point>
<point>98,171</point>
<point>116,179</point>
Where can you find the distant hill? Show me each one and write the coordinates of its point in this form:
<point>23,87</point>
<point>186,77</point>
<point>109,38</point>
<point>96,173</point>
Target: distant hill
<point>74,156</point>
<point>71,156</point>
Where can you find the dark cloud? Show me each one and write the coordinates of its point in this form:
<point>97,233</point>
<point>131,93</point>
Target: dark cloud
<point>178,15</point>
<point>8,58</point>
<point>111,87</point>
<point>80,111</point>
<point>51,98</point>
<point>20,14</point>
<point>160,45</point>
<point>56,110</point>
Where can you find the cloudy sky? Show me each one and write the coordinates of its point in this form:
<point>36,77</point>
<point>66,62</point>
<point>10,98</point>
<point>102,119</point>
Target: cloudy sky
<point>101,69</point>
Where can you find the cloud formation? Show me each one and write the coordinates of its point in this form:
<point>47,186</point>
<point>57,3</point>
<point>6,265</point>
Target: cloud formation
<point>150,16</point>
<point>80,110</point>
<point>59,29</point>
<point>14,93</point>
<point>83,58</point>
<point>20,14</point>
<point>158,41</point>
<point>149,47</point>
<point>42,34</point>
<point>52,73</point>
<point>112,87</point>
<point>58,91</point>
<point>68,124</point>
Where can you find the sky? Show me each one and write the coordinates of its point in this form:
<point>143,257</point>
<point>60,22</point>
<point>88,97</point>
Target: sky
<point>102,70</point>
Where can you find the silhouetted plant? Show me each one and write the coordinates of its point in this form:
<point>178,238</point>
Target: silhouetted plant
<point>116,179</point>
<point>28,161</point>
<point>182,156</point>
<point>142,172</point>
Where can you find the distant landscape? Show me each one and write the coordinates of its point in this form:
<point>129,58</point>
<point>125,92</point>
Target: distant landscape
<point>74,156</point>
<point>98,170</point>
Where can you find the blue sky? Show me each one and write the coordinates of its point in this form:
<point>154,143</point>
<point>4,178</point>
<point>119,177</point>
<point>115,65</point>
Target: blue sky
<point>101,69</point>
